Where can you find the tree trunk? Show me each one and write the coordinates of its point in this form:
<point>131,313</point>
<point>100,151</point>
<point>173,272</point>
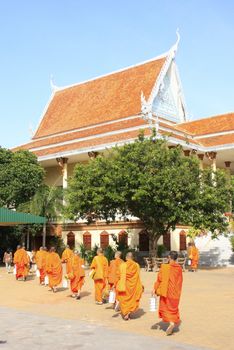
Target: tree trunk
<point>44,235</point>
<point>153,244</point>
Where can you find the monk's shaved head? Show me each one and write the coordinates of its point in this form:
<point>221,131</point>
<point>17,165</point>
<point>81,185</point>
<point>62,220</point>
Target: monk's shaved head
<point>173,255</point>
<point>118,254</point>
<point>41,248</point>
<point>99,251</point>
<point>18,246</point>
<point>52,249</point>
<point>129,256</point>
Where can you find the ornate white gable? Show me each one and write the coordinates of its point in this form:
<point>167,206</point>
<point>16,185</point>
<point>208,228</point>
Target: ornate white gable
<point>168,103</point>
<point>166,99</point>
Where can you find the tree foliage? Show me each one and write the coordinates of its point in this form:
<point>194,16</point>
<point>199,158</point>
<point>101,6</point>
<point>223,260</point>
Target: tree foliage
<point>148,180</point>
<point>47,202</point>
<point>20,177</point>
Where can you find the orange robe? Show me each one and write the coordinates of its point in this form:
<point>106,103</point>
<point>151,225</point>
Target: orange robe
<point>129,287</point>
<point>54,269</point>
<point>100,265</point>
<point>76,273</point>
<point>22,263</point>
<point>169,282</point>
<point>66,257</point>
<point>194,256</point>
<point>41,264</point>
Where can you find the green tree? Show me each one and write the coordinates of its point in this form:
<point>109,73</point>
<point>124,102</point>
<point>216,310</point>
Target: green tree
<point>47,202</point>
<point>20,177</point>
<point>149,180</point>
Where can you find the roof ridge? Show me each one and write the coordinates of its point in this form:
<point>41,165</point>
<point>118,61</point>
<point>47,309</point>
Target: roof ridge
<point>156,58</point>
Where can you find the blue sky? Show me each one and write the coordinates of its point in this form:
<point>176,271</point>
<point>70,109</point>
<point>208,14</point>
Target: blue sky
<point>76,40</point>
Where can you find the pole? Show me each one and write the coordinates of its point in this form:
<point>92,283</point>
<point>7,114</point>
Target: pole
<point>44,235</point>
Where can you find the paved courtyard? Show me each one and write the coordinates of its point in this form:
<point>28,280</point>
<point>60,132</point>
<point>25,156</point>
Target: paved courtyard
<point>21,330</point>
<point>33,318</point>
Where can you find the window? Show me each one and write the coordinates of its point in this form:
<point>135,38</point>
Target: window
<point>167,241</point>
<point>71,239</point>
<point>104,239</point>
<point>143,241</point>
<point>87,240</point>
<point>123,237</point>
<point>183,244</point>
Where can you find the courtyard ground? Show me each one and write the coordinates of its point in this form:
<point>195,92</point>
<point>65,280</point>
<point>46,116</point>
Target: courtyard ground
<point>29,311</point>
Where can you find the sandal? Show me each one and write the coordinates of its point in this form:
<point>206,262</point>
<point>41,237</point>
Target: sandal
<point>169,330</point>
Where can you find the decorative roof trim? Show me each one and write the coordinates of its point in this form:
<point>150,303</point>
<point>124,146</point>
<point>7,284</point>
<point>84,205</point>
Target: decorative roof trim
<point>221,133</point>
<point>102,147</point>
<point>116,132</point>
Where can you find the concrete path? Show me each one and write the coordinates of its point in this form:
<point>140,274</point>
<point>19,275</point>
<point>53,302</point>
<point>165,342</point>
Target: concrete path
<point>27,331</point>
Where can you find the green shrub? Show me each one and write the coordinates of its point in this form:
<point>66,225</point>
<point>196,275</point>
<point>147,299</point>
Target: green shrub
<point>109,252</point>
<point>161,249</point>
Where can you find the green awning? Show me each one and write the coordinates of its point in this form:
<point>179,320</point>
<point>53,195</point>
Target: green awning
<point>10,217</point>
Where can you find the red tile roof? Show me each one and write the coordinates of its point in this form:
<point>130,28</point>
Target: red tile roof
<point>217,140</point>
<point>216,124</point>
<point>107,98</point>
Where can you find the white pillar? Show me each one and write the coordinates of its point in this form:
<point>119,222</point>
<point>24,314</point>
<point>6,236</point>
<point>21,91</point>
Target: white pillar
<point>64,171</point>
<point>201,157</point>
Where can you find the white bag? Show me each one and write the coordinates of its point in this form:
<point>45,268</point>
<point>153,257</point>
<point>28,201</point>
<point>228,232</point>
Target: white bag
<point>46,280</point>
<point>153,304</point>
<point>112,297</point>
<point>65,284</point>
<point>14,271</point>
<point>189,262</point>
<point>38,273</point>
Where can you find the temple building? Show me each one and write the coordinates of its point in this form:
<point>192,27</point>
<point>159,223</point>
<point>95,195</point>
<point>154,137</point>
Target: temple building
<point>87,118</point>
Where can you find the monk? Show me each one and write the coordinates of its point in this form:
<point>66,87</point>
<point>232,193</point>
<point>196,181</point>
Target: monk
<point>22,263</point>
<point>193,254</point>
<point>113,272</point>
<point>99,269</point>
<point>54,269</point>
<point>168,286</point>
<point>113,276</point>
<point>40,259</point>
<point>66,257</point>
<point>129,287</point>
<point>76,274</point>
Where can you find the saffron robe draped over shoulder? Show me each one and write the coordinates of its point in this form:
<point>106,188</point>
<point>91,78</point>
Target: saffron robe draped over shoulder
<point>113,272</point>
<point>40,259</point>
<point>76,273</point>
<point>66,257</point>
<point>129,287</point>
<point>54,269</point>
<point>171,278</point>
<point>194,256</point>
<point>22,262</point>
<point>100,266</point>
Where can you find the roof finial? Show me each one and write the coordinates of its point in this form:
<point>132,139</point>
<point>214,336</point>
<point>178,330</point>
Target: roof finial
<point>175,46</point>
<point>52,85</point>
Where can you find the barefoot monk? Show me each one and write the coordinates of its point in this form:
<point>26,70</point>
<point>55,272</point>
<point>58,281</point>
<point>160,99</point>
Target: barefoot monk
<point>129,287</point>
<point>168,286</point>
<point>99,273</point>
<point>54,269</point>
